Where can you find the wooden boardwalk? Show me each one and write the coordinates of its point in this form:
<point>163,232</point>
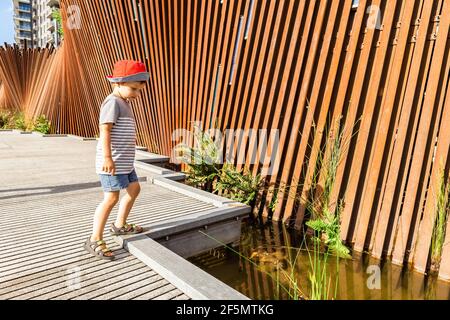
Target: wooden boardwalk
<point>47,200</point>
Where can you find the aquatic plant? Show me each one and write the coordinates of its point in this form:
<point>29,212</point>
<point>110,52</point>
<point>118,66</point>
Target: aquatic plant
<point>320,278</point>
<point>202,160</point>
<point>329,229</point>
<point>281,265</point>
<point>325,215</point>
<point>286,282</point>
<point>204,171</point>
<point>440,223</point>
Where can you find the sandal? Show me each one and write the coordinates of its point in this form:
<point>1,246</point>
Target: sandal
<point>126,229</point>
<point>91,247</point>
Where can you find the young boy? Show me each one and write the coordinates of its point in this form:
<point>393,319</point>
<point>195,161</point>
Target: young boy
<point>116,151</point>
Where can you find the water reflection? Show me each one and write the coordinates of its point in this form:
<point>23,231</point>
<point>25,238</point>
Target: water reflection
<point>270,248</point>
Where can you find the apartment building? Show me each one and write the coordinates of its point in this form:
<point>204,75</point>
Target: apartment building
<point>34,23</point>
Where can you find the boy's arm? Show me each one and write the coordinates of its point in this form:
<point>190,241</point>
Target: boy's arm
<point>105,137</point>
<point>109,114</point>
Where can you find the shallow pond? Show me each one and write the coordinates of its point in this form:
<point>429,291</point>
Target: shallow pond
<point>268,257</point>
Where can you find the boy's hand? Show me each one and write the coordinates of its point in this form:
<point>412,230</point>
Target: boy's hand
<point>109,166</point>
<point>105,136</point>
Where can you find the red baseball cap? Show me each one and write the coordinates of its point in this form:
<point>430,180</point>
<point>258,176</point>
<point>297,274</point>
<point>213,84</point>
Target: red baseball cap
<point>129,71</point>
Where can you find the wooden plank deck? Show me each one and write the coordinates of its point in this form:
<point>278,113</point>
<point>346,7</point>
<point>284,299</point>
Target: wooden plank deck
<point>47,200</point>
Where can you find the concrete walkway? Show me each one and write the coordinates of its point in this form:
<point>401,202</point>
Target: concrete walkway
<point>48,195</point>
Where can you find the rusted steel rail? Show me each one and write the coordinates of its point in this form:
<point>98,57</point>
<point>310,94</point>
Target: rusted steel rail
<point>294,66</point>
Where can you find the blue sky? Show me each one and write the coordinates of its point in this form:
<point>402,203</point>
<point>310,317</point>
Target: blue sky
<point>6,22</point>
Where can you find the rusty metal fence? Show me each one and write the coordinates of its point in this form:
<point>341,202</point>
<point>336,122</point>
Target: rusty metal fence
<point>293,66</point>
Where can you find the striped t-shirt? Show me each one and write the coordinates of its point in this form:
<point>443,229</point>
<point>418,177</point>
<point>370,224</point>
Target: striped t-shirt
<point>123,135</point>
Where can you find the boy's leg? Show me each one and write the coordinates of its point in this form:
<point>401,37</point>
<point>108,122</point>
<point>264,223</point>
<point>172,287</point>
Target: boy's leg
<point>102,213</point>
<point>127,203</point>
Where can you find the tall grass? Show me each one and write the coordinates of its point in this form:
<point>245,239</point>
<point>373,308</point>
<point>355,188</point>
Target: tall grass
<point>319,276</point>
<point>320,284</point>
<point>292,289</point>
<point>240,185</point>
<point>325,215</point>
<point>442,212</point>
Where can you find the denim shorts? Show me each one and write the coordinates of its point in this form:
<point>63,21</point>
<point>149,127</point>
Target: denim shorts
<point>118,182</point>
